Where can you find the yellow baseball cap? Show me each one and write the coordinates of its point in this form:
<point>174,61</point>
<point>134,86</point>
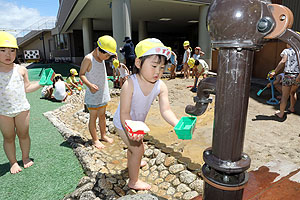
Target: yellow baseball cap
<point>186,43</point>
<point>191,62</point>
<point>116,63</point>
<point>73,71</point>
<point>108,44</point>
<point>56,75</point>
<point>152,46</point>
<point>8,40</point>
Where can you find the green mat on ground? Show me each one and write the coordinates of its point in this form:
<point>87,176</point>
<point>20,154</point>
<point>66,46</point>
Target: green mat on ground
<point>59,68</point>
<point>56,170</point>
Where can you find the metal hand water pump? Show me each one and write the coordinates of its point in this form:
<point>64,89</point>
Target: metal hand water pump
<point>237,28</point>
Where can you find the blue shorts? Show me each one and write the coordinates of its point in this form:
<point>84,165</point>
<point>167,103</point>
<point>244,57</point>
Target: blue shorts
<point>96,107</point>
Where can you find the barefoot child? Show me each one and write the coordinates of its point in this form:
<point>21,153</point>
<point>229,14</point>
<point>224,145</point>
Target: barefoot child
<point>71,79</point>
<point>137,95</point>
<point>291,79</point>
<point>122,71</point>
<point>60,86</point>
<point>93,75</point>
<point>14,106</point>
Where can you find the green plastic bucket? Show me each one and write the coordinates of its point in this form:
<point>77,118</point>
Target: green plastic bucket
<point>46,77</point>
<point>185,128</point>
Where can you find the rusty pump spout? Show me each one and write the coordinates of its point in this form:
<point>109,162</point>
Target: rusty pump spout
<point>237,28</point>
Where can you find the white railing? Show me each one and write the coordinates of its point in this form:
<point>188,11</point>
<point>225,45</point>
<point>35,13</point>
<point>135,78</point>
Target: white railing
<point>44,23</point>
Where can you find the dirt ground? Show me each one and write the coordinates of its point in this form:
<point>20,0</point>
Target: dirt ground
<point>266,139</point>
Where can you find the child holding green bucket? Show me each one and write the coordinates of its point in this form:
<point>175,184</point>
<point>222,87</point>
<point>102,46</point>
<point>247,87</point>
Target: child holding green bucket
<point>137,95</point>
<point>93,75</point>
<point>14,106</point>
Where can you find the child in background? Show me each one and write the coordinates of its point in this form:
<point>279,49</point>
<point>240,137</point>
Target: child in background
<point>71,79</point>
<point>121,70</point>
<point>14,106</point>
<point>291,79</point>
<point>93,75</point>
<point>186,57</point>
<point>173,60</point>
<point>137,95</point>
<point>59,85</point>
<point>199,67</point>
<point>198,53</point>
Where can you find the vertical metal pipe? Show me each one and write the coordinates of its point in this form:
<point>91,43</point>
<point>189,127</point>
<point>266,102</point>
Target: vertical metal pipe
<point>233,88</point>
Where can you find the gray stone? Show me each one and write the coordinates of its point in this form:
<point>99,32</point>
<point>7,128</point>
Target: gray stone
<point>197,185</point>
<point>171,191</point>
<point>176,168</point>
<point>183,188</point>
<point>148,153</point>
<point>160,158</point>
<point>139,197</point>
<point>161,167</point>
<point>187,177</point>
<point>190,195</point>
<point>77,193</point>
<point>87,195</point>
<point>164,173</point>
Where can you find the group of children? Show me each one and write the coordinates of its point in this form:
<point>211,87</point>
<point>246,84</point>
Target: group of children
<point>61,88</point>
<point>194,63</point>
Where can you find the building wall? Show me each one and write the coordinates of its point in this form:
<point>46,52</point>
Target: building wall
<point>37,44</point>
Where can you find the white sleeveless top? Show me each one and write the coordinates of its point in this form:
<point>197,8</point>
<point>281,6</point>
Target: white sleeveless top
<point>122,70</point>
<point>12,92</point>
<point>97,75</point>
<point>140,104</point>
<point>60,90</point>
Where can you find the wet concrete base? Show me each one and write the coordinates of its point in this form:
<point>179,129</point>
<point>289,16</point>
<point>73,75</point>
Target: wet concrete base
<point>276,180</point>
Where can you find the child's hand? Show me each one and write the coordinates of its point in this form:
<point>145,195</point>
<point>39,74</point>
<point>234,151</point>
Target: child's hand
<point>269,85</point>
<point>94,88</point>
<point>135,137</point>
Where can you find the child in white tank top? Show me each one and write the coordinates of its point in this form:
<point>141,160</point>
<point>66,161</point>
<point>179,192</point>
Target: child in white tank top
<point>137,95</point>
<point>93,75</point>
<point>14,106</point>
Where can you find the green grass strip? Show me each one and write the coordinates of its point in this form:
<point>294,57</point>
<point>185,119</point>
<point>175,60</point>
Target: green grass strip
<point>56,170</point>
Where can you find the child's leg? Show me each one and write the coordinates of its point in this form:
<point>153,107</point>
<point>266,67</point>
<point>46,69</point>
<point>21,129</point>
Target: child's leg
<point>7,127</point>
<point>102,125</point>
<point>22,129</point>
<point>92,129</point>
<point>134,156</point>
<point>284,99</point>
<point>293,98</point>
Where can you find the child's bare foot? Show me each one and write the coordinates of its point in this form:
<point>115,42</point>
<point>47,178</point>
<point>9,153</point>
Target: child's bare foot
<point>291,110</point>
<point>27,163</point>
<point>278,114</point>
<point>139,185</point>
<point>98,144</point>
<point>107,139</point>
<point>15,168</point>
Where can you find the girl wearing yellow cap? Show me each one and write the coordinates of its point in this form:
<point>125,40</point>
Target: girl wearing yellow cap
<point>137,95</point>
<point>14,106</point>
<point>186,57</point>
<point>122,71</point>
<point>72,81</point>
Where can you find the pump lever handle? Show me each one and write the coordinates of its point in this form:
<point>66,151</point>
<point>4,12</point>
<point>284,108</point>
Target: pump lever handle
<point>292,38</point>
<point>284,20</point>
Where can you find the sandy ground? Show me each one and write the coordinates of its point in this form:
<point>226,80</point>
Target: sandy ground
<point>266,139</point>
